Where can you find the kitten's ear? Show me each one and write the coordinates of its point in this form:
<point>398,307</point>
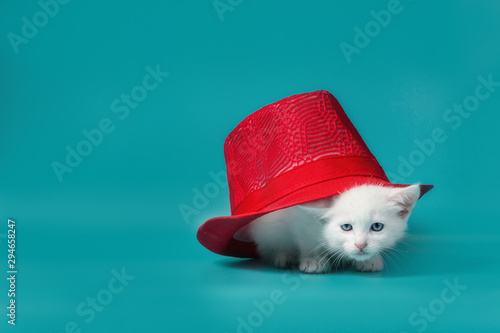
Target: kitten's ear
<point>405,198</point>
<point>318,208</point>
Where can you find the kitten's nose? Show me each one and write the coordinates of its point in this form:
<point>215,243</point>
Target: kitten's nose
<point>361,246</point>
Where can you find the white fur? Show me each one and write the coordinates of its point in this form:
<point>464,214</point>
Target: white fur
<point>310,235</point>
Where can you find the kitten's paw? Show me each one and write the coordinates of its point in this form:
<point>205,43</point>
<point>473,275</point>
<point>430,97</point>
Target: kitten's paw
<point>283,260</point>
<point>374,264</point>
<point>312,265</point>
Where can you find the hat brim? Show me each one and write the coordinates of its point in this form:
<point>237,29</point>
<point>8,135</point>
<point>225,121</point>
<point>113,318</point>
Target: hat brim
<point>217,234</point>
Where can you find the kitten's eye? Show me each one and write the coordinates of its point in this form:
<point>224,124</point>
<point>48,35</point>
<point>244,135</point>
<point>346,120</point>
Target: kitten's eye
<point>346,227</point>
<point>377,226</point>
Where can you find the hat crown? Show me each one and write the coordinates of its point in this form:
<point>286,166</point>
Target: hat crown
<point>286,135</point>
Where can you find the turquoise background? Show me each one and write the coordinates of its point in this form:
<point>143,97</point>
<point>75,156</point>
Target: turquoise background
<point>119,207</point>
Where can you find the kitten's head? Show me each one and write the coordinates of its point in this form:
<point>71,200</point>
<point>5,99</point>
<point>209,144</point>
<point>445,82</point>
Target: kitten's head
<point>368,219</point>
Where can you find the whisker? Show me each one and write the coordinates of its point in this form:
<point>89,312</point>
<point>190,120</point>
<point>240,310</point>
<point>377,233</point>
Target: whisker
<point>386,255</point>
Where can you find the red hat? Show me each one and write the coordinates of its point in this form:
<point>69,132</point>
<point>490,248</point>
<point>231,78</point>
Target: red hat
<point>298,149</point>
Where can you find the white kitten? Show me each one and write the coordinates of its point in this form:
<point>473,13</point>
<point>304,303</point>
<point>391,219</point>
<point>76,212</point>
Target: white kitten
<point>355,226</point>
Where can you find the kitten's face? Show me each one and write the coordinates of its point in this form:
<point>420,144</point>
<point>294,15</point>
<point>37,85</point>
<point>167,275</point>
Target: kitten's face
<point>367,220</point>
